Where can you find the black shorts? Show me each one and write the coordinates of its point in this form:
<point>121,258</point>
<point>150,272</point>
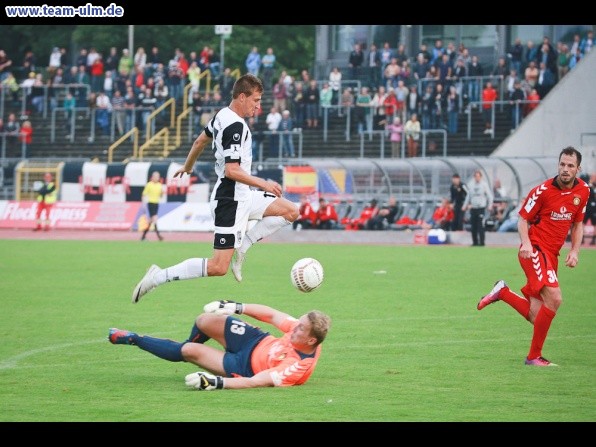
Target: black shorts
<point>153,208</point>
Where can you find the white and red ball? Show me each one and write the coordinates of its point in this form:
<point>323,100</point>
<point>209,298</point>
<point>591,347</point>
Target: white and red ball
<point>307,274</point>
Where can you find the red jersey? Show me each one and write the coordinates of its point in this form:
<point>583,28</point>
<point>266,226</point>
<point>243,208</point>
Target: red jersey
<point>326,213</point>
<point>550,211</point>
<point>277,355</point>
<point>443,214</point>
<point>97,68</point>
<point>366,214</point>
<point>307,212</point>
<point>488,95</point>
<point>26,134</point>
<point>390,104</point>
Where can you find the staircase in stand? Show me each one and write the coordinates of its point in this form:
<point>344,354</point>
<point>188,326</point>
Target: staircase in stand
<point>314,144</point>
<point>336,145</point>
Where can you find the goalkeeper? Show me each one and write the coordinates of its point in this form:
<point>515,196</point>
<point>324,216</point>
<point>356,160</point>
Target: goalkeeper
<point>252,357</point>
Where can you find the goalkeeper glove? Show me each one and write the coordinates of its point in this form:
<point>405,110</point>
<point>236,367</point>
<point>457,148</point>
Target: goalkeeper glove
<point>204,381</point>
<point>224,307</point>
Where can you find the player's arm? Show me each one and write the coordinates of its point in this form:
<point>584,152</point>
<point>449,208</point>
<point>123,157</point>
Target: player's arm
<point>525,250</point>
<point>235,172</point>
<point>205,381</point>
<point>577,235</point>
<point>259,312</point>
<point>266,314</point>
<point>195,151</point>
<point>466,202</point>
<point>489,197</point>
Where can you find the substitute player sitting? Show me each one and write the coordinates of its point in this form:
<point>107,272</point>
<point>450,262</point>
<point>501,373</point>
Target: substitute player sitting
<point>252,357</point>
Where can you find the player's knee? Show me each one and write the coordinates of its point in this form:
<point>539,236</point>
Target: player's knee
<point>555,303</point>
<point>292,214</point>
<point>552,297</point>
<point>216,268</point>
<point>188,352</point>
<point>202,320</point>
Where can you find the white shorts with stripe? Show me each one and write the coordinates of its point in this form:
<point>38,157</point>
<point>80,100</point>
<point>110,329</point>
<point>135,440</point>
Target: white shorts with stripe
<point>231,218</point>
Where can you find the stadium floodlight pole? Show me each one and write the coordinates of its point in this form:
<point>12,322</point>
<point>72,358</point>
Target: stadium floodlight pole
<point>224,31</point>
<point>131,38</point>
<point>221,52</point>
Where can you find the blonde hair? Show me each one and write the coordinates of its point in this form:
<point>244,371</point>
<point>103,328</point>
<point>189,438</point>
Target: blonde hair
<point>320,324</point>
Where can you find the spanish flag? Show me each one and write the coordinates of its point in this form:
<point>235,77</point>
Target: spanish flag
<point>300,180</point>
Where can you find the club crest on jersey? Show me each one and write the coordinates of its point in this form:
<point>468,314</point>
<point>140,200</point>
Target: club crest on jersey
<point>236,137</point>
<point>576,200</point>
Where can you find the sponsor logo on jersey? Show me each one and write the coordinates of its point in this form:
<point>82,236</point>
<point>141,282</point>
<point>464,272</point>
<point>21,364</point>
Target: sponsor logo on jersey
<point>561,215</point>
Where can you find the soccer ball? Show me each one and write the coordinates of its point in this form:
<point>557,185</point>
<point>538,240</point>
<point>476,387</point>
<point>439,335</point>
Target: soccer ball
<point>307,274</point>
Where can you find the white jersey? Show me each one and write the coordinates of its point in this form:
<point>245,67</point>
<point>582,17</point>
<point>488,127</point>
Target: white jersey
<point>232,143</point>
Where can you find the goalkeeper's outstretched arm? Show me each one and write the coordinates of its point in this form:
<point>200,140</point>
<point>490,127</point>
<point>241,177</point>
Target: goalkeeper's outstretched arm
<point>259,312</point>
<point>266,314</point>
<point>205,381</point>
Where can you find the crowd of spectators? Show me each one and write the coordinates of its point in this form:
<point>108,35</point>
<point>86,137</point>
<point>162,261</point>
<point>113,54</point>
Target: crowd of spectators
<point>128,86</point>
<point>451,79</point>
<point>436,84</point>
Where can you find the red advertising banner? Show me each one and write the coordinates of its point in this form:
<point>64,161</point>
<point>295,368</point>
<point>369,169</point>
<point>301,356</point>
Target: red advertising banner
<point>72,215</point>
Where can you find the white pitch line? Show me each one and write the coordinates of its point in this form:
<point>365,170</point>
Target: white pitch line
<point>12,362</point>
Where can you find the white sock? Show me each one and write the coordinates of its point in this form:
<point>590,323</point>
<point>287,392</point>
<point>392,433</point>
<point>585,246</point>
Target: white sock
<point>263,228</point>
<point>189,269</point>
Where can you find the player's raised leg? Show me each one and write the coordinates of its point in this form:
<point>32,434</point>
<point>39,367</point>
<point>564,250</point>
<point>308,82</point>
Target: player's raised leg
<point>492,296</point>
<point>276,212</point>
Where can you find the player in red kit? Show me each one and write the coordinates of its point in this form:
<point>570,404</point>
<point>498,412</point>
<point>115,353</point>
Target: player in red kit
<point>547,214</point>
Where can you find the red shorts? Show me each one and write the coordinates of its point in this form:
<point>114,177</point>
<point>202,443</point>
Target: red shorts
<point>541,271</point>
<point>43,206</point>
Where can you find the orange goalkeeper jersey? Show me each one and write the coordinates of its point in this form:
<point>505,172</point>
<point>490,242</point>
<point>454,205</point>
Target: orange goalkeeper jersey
<point>285,365</point>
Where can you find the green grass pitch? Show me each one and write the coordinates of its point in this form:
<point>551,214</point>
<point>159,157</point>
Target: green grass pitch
<point>406,344</point>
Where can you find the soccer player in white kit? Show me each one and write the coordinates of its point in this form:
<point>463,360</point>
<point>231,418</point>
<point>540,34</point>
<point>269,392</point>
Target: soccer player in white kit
<point>233,202</point>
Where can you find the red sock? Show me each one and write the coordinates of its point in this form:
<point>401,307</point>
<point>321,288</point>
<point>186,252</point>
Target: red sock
<point>541,326</point>
<point>519,303</point>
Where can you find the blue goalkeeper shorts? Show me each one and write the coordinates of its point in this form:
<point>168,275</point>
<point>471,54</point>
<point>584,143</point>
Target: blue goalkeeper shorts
<point>241,339</point>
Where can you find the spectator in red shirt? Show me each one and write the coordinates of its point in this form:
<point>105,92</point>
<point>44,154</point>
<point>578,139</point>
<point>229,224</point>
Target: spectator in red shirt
<point>97,74</point>
<point>489,96</point>
<point>390,104</point>
<point>183,64</point>
<point>326,215</point>
<point>443,215</point>
<point>307,217</point>
<point>366,214</point>
<point>535,98</point>
<point>26,133</point>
